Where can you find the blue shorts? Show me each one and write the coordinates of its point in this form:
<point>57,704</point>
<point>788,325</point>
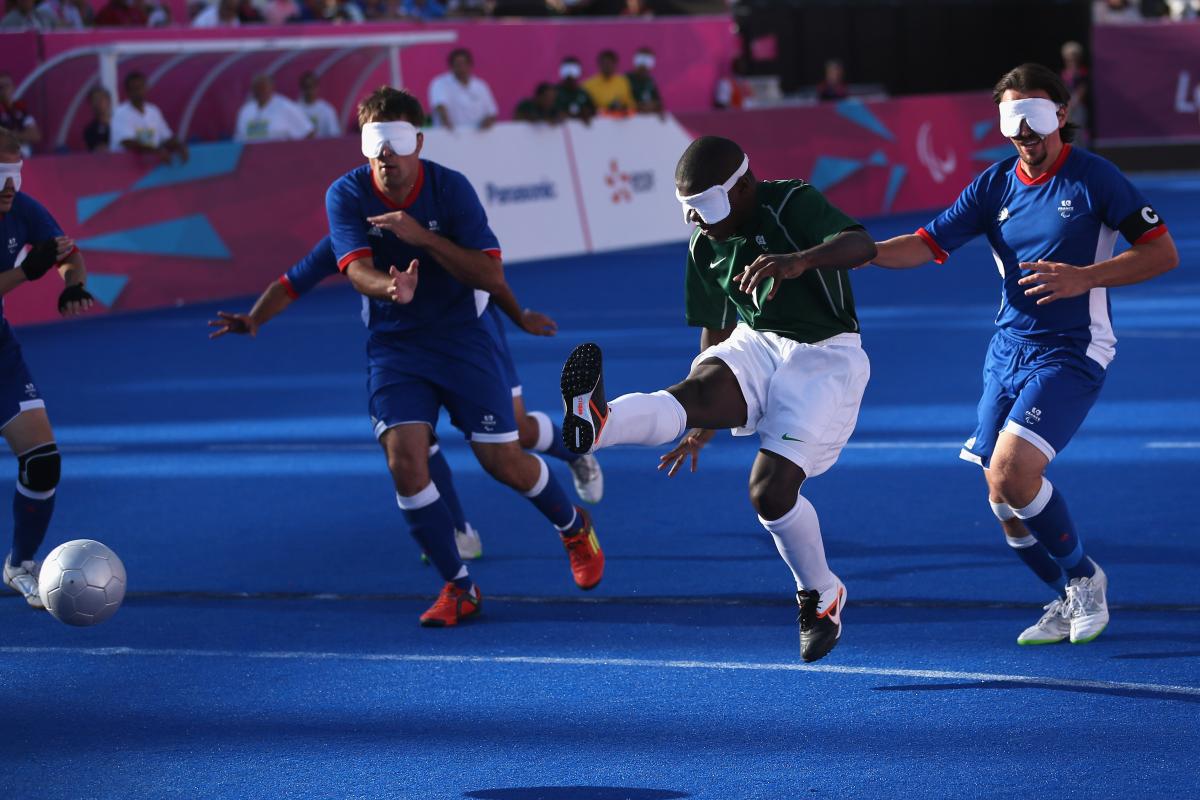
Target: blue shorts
<point>411,376</point>
<point>1039,392</point>
<point>510,368</point>
<point>18,392</point>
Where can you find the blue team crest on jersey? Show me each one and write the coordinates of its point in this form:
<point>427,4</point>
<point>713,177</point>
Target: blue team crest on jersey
<point>12,245</point>
<point>1033,416</point>
<point>1066,209</point>
<point>433,225</point>
<point>375,231</point>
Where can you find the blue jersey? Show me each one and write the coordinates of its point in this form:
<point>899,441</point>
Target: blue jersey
<point>1071,215</point>
<point>28,223</point>
<point>306,273</point>
<point>443,201</point>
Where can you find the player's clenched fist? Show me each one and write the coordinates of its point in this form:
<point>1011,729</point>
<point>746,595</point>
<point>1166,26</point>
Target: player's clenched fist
<point>403,284</point>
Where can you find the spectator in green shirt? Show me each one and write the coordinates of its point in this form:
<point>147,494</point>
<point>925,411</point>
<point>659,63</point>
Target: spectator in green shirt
<point>645,88</point>
<point>571,100</point>
<point>541,107</point>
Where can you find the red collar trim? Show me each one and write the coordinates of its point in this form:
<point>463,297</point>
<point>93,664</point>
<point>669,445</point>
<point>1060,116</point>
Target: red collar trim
<point>1048,174</point>
<point>412,195</point>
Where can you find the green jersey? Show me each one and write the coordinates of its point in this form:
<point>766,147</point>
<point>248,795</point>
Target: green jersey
<point>791,216</point>
<point>645,90</point>
<point>573,101</point>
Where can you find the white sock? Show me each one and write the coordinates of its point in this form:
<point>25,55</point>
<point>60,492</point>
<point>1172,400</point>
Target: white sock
<point>797,536</point>
<point>545,428</point>
<point>644,419</point>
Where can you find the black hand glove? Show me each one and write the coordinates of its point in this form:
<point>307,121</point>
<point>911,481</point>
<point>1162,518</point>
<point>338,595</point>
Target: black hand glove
<point>73,294</point>
<point>41,259</point>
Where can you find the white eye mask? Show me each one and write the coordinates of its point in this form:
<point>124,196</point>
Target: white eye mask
<point>401,137</point>
<point>712,205</point>
<point>644,60</point>
<point>11,171</point>
<point>1041,114</point>
<point>570,70</point>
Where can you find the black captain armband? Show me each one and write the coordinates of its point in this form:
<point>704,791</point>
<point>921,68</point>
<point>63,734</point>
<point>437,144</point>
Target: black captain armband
<point>41,259</point>
<point>73,294</point>
<point>1140,223</point>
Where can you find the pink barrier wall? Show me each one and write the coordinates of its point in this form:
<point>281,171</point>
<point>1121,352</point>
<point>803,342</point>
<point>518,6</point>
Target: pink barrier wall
<point>237,216</point>
<point>1147,82</point>
<point>513,56</point>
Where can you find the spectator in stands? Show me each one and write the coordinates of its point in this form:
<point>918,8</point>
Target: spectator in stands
<point>16,117</point>
<point>73,15</point>
<point>422,9</point>
<point>138,126</point>
<point>610,90</point>
<point>642,83</point>
<point>471,8</point>
<point>340,11</point>
<point>569,6</point>
<point>122,13</point>
<point>98,133</point>
<point>732,91</point>
<point>1106,11</point>
<point>1075,76</point>
<point>374,10</point>
<point>320,113</point>
<point>219,14</point>
<point>278,12</point>
<point>461,99</point>
<point>539,108</point>
<point>637,8</point>
<point>571,100</point>
<point>833,85</point>
<point>267,116</point>
<point>24,16</point>
<point>1183,9</point>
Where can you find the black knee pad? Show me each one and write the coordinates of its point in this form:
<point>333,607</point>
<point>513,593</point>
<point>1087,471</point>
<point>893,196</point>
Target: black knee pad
<point>39,469</point>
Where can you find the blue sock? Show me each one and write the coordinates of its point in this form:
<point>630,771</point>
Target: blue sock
<point>550,439</point>
<point>439,473</point>
<point>430,524</point>
<point>548,495</point>
<point>1049,520</point>
<point>31,520</point>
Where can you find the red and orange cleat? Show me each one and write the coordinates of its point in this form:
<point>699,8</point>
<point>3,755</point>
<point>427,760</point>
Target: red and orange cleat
<point>587,559</point>
<point>453,604</point>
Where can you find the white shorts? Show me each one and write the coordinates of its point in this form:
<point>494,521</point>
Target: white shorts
<point>801,399</point>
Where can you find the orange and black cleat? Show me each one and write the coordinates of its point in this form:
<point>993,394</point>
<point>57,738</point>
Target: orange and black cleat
<point>587,559</point>
<point>453,605</point>
<point>585,409</point>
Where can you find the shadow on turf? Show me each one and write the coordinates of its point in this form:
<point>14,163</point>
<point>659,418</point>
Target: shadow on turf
<point>1141,694</point>
<point>1156,656</point>
<point>575,793</point>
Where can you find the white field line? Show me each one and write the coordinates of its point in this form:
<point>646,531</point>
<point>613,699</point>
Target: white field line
<point>636,663</point>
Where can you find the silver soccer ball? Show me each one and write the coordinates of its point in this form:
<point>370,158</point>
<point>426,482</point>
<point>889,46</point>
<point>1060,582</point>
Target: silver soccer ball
<point>82,582</point>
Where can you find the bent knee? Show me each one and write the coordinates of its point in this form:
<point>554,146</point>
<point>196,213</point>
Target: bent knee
<point>773,500</point>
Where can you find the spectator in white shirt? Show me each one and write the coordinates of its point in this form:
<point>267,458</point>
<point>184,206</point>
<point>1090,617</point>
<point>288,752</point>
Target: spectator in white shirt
<point>218,14</point>
<point>139,127</point>
<point>459,99</point>
<point>268,117</point>
<point>319,112</point>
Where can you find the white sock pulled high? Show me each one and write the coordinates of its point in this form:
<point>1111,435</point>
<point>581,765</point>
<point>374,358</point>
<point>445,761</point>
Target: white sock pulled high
<point>797,536</point>
<point>655,418</point>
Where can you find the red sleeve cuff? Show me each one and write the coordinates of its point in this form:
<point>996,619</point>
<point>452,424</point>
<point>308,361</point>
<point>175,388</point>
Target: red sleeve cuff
<point>494,252</point>
<point>346,260</point>
<point>939,255</point>
<point>1151,235</point>
<point>287,287</point>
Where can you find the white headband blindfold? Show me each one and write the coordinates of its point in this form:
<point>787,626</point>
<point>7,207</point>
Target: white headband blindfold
<point>401,137</point>
<point>570,70</point>
<point>1041,114</point>
<point>644,60</point>
<point>11,171</point>
<point>712,205</point>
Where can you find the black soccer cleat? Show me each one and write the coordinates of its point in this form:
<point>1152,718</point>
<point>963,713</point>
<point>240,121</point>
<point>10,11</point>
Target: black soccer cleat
<point>820,620</point>
<point>585,411</point>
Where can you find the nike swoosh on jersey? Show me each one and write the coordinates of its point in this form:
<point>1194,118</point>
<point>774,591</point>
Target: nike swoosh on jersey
<point>716,263</point>
<point>787,438</point>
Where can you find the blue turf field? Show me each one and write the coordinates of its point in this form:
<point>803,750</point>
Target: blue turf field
<point>270,648</point>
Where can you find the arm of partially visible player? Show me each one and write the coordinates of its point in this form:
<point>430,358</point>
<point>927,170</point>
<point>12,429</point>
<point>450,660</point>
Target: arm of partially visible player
<point>273,301</point>
<point>528,320</point>
<point>902,252</point>
<point>1052,281</point>
<point>845,250</point>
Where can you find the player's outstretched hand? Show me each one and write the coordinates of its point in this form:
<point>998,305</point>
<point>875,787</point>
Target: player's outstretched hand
<point>537,323</point>
<point>690,445</point>
<point>232,323</point>
<point>1052,281</point>
<point>402,225</point>
<point>74,300</point>
<point>779,266</point>
<point>404,284</point>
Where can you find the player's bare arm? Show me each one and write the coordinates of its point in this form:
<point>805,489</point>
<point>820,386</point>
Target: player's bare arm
<point>528,320</point>
<point>272,302</point>
<point>1052,281</point>
<point>474,268</point>
<point>846,250</point>
<point>397,286</point>
<point>902,252</point>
